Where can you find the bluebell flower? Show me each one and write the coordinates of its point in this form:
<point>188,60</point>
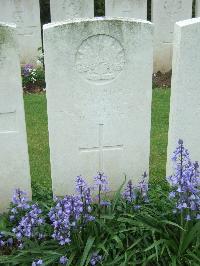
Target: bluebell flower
<point>95,259</point>
<point>81,185</point>
<point>129,193</point>
<point>37,262</point>
<point>29,223</point>
<point>101,182</point>
<point>27,69</point>
<point>137,194</point>
<point>185,182</point>
<point>20,201</point>
<point>65,216</point>
<point>2,243</point>
<point>188,218</point>
<point>198,217</point>
<point>105,203</point>
<point>63,260</point>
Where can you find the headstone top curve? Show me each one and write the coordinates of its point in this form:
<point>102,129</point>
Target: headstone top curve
<point>79,20</point>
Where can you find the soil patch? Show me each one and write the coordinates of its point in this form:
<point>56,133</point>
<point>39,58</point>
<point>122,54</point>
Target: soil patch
<point>161,80</point>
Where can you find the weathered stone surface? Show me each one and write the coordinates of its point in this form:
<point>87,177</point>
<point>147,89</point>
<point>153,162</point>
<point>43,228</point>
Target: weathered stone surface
<point>26,15</point>
<point>99,99</point>
<point>164,15</point>
<point>68,9</point>
<point>126,8</point>
<point>197,12</point>
<point>185,96</point>
<point>14,164</point>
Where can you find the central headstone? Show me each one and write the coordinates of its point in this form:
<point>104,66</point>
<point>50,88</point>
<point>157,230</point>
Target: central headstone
<point>165,13</point>
<point>69,9</point>
<point>99,103</point>
<point>126,8</point>
<point>14,163</point>
<point>26,15</point>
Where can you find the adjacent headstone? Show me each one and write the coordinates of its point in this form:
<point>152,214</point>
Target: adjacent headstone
<point>14,163</point>
<point>69,9</point>
<point>197,9</point>
<point>26,15</point>
<point>185,96</point>
<point>164,15</point>
<point>99,103</point>
<point>126,8</point>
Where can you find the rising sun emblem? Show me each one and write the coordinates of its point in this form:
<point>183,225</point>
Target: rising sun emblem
<point>100,58</point>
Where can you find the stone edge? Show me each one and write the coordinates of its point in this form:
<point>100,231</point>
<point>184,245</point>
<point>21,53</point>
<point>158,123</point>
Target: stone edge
<point>187,22</point>
<point>11,25</point>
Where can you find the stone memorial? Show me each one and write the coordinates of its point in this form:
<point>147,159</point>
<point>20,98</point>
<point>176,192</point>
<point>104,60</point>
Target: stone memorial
<point>14,163</point>
<point>197,12</point>
<point>164,15</point>
<point>26,15</point>
<point>69,9</point>
<point>99,103</point>
<point>185,96</point>
<point>126,8</point>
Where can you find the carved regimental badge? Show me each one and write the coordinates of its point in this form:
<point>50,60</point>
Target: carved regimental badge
<point>100,58</point>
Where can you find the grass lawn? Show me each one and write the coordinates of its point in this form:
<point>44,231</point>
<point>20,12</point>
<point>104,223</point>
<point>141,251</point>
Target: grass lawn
<point>36,121</point>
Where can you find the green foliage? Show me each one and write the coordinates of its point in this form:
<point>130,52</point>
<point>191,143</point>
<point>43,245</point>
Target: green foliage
<point>37,130</point>
<point>159,134</point>
<point>99,8</point>
<point>123,236</point>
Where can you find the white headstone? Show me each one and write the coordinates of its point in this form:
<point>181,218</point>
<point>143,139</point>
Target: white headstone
<point>14,163</point>
<point>197,8</point>
<point>185,96</point>
<point>26,15</point>
<point>99,104</point>
<point>68,9</point>
<point>164,15</point>
<point>126,8</point>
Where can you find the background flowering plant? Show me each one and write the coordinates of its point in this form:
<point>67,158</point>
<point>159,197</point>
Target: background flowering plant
<point>141,224</point>
<point>33,77</point>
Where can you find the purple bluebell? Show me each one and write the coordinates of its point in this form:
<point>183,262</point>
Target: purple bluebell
<point>81,185</point>
<point>185,183</point>
<point>144,187</point>
<point>63,260</point>
<point>129,194</point>
<point>27,70</point>
<point>105,203</point>
<point>37,262</point>
<point>29,223</point>
<point>137,194</point>
<point>64,217</point>
<point>95,259</point>
<point>84,192</point>
<point>4,241</point>
<point>20,200</point>
<point>101,182</point>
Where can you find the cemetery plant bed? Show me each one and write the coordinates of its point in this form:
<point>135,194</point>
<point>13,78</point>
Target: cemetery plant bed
<point>139,225</point>
<point>33,78</point>
<point>162,80</point>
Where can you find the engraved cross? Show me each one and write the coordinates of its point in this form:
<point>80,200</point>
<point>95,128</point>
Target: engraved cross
<point>101,148</point>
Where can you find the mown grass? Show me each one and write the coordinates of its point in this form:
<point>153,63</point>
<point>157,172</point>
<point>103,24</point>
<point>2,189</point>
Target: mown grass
<point>37,131</point>
<point>36,121</point>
